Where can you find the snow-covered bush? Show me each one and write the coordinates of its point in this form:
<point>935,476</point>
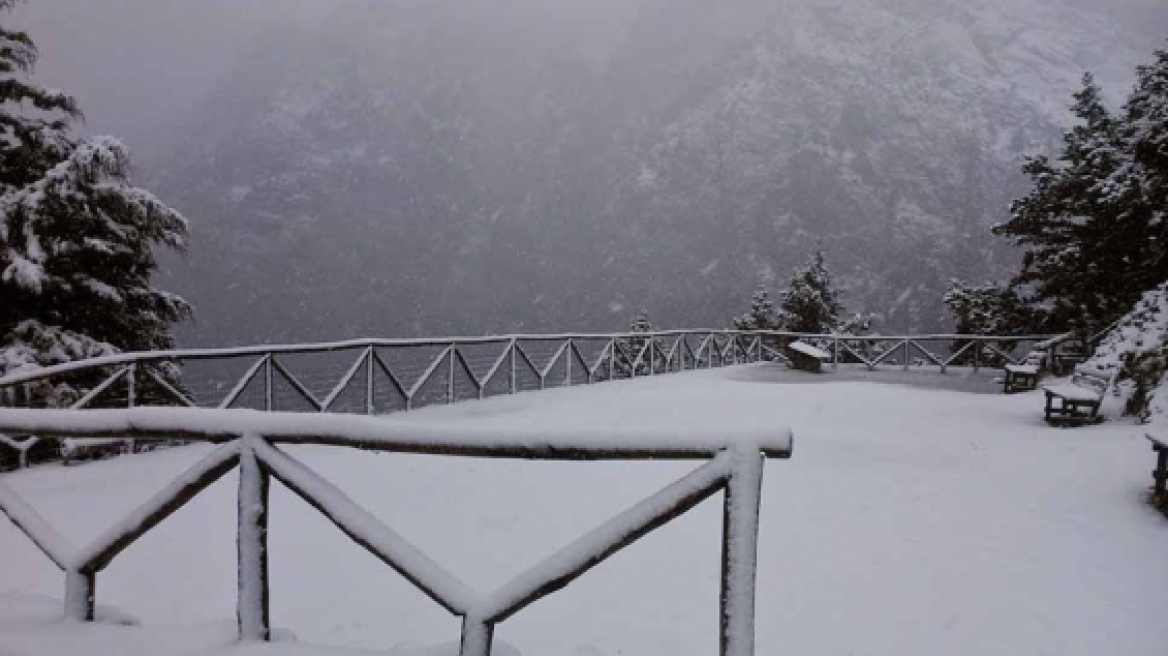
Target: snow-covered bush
<point>1138,347</point>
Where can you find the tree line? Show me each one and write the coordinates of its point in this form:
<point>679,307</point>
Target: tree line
<point>1093,228</point>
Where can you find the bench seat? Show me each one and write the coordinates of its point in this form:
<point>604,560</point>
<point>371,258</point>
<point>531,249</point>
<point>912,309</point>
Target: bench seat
<point>1077,402</point>
<point>1071,392</point>
<point>74,450</point>
<point>1025,369</point>
<point>806,357</point>
<point>1020,378</point>
<point>810,351</point>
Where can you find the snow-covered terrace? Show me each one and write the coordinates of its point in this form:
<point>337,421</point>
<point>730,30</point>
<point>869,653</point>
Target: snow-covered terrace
<point>916,518</point>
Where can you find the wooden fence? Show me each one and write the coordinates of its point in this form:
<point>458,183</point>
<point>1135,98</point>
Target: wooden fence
<point>251,441</point>
<point>379,376</point>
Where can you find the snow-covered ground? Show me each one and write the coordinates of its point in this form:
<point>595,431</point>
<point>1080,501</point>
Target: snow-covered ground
<point>913,520</point>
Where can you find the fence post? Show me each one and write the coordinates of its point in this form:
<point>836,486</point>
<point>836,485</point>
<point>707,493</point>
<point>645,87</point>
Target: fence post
<point>976,355</point>
<point>269,390</point>
<point>1160,476</point>
<point>568,364</point>
<point>369,389</point>
<point>131,397</point>
<point>612,360</point>
<point>252,542</point>
<point>79,595</point>
<point>740,553</point>
<point>450,373</point>
<point>511,365</point>
<point>477,636</point>
<point>835,348</point>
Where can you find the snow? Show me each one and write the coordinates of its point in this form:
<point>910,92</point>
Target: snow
<point>1022,369</point>
<point>913,521</point>
<point>1142,330</point>
<point>146,514</point>
<point>591,549</point>
<point>25,273</point>
<point>811,351</point>
<point>39,531</point>
<point>1135,346</point>
<point>31,625</point>
<point>367,530</point>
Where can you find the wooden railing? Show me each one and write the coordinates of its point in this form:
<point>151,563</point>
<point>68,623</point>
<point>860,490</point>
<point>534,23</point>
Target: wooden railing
<point>250,441</point>
<point>378,376</point>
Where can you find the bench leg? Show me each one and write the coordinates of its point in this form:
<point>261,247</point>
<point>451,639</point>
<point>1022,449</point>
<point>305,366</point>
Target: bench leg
<point>1160,476</point>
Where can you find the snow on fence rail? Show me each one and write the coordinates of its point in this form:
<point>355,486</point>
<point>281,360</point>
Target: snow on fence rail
<point>248,439</point>
<point>376,376</point>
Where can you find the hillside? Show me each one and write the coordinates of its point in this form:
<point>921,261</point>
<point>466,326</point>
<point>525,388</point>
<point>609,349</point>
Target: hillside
<point>448,167</point>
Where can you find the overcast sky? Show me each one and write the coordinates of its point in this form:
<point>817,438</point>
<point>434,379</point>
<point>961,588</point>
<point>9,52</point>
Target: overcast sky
<point>136,66</point>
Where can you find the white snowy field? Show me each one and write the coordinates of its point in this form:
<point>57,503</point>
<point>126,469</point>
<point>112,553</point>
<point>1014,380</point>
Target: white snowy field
<point>910,522</point>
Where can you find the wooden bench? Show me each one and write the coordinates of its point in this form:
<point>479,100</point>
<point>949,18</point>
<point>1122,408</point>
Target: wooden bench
<point>1020,378</point>
<point>1160,473</point>
<point>76,451</point>
<point>1077,402</point>
<point>806,357</point>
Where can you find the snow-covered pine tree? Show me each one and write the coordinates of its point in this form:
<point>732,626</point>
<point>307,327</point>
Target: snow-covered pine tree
<point>990,309</point>
<point>810,304</point>
<point>1092,238</point>
<point>1146,118</point>
<point>630,347</point>
<point>761,315</point>
<point>77,238</point>
<point>859,324</point>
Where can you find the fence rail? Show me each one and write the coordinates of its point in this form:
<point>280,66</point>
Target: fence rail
<point>378,376</point>
<point>249,440</point>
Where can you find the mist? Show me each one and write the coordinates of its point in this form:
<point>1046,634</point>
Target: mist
<point>398,168</point>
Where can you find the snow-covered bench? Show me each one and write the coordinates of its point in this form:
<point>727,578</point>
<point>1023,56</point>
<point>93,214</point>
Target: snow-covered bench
<point>1078,401</point>
<point>1020,378</point>
<point>1160,473</point>
<point>74,451</point>
<point>806,357</point>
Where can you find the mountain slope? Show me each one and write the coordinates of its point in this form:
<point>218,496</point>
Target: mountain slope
<point>446,167</point>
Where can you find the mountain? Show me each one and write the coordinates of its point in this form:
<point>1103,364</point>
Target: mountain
<point>448,166</point>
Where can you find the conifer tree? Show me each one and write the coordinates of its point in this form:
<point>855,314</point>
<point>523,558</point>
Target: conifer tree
<point>761,315</point>
<point>77,238</point>
<point>1146,117</point>
<point>1093,223</point>
<point>630,347</point>
<point>989,309</point>
<point>810,304</point>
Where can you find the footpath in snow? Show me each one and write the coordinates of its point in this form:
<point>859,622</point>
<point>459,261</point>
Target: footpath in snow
<point>914,520</point>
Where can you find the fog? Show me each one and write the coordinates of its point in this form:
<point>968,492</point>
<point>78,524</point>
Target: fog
<point>429,166</point>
